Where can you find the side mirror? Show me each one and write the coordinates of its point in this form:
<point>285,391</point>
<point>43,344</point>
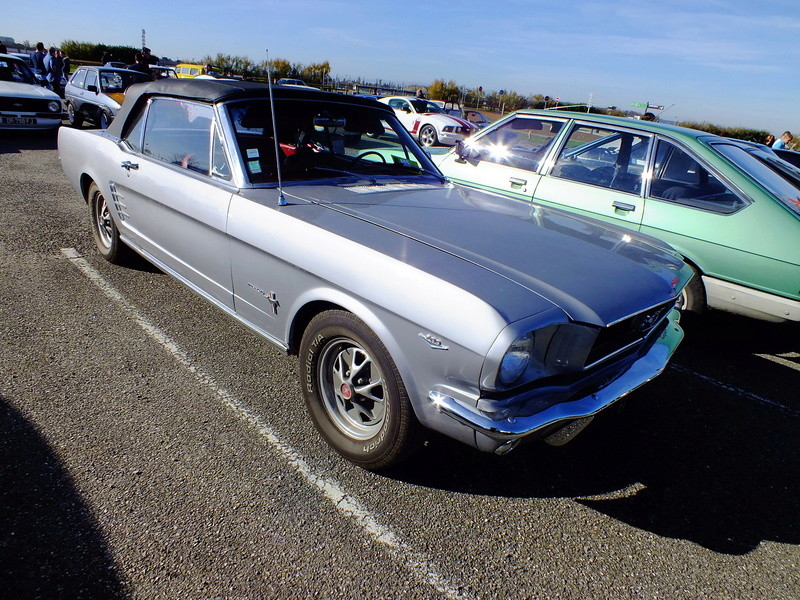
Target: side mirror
<point>465,152</point>
<point>405,109</point>
<point>92,88</point>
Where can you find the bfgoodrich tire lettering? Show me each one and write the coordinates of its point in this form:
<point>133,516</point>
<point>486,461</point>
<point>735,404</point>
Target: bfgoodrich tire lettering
<point>354,393</point>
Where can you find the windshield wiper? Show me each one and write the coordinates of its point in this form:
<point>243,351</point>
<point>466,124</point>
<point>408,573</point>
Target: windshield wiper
<point>343,172</point>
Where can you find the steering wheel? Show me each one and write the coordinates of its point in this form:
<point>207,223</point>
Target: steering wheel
<point>363,154</point>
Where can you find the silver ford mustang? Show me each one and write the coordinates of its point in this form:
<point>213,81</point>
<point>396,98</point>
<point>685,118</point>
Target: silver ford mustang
<point>410,302</point>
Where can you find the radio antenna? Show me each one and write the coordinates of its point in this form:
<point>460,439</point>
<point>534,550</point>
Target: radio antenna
<point>281,198</point>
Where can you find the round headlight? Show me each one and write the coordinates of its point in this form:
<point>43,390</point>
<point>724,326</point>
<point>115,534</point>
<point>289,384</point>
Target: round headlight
<point>54,106</point>
<point>516,359</point>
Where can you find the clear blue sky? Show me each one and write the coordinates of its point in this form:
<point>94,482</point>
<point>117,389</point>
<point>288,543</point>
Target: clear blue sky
<point>729,62</point>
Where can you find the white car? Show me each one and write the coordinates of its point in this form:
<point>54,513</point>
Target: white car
<point>24,104</point>
<point>427,121</point>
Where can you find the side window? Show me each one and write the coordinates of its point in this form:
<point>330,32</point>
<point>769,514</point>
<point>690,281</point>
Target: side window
<point>398,104</point>
<point>79,78</point>
<point>604,157</point>
<point>219,160</point>
<point>179,133</point>
<point>520,143</point>
<point>679,178</point>
<point>134,135</point>
<point>91,79</point>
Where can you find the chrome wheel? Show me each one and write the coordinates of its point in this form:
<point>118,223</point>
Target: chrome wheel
<point>104,229</point>
<point>353,388</point>
<point>427,135</point>
<point>72,116</point>
<point>102,219</point>
<point>354,393</point>
<point>104,120</point>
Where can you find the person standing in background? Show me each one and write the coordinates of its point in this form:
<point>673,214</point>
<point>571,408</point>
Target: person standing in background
<point>38,59</point>
<point>785,138</point>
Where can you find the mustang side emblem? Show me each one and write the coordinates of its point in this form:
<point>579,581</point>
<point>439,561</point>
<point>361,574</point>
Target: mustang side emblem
<point>433,342</point>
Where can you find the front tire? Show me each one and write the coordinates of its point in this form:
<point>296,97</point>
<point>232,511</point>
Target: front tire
<point>354,393</point>
<point>104,120</point>
<point>73,116</point>
<point>428,136</point>
<point>104,230</point>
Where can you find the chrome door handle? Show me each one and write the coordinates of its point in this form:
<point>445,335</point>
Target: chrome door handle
<point>517,181</point>
<point>624,206</point>
<point>129,166</point>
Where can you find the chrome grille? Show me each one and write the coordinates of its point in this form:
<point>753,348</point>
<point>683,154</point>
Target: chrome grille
<point>626,334</point>
<point>19,105</point>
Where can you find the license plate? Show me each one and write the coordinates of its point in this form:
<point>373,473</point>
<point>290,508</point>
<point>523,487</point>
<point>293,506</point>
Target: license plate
<point>18,121</point>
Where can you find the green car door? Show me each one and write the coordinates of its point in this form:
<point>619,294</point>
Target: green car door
<point>599,172</point>
<point>507,158</point>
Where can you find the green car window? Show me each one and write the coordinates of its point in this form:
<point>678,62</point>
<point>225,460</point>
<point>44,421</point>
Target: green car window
<point>521,142</point>
<point>604,157</point>
<point>777,176</point>
<point>678,177</point>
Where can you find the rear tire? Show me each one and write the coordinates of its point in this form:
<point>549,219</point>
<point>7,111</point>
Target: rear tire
<point>104,230</point>
<point>354,393</point>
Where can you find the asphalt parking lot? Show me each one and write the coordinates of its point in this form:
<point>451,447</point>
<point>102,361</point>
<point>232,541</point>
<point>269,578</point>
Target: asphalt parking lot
<point>150,447</point>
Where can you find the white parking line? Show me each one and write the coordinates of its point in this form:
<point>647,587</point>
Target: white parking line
<point>736,390</point>
<point>420,565</point>
<point>779,359</point>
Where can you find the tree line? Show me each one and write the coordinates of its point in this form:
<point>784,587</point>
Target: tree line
<point>315,73</point>
<point>509,101</point>
<point>320,73</point>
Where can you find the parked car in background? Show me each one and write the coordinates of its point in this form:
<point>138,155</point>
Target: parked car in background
<point>24,103</point>
<point>26,58</point>
<point>476,118</point>
<point>790,156</point>
<point>160,72</point>
<point>409,301</point>
<point>731,208</point>
<point>96,93</point>
<point>427,121</point>
<point>289,81</point>
<point>188,70</point>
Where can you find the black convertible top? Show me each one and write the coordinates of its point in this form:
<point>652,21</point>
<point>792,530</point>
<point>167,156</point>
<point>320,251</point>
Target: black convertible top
<point>218,90</point>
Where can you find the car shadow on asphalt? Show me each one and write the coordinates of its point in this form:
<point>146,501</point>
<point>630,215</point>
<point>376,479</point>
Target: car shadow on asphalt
<point>12,142</point>
<point>682,459</point>
<point>51,544</point>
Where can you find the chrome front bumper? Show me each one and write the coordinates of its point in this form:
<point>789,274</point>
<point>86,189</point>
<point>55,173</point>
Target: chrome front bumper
<point>502,435</point>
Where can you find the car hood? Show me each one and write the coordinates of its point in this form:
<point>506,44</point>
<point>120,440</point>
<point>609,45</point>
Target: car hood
<point>596,273</point>
<point>26,90</point>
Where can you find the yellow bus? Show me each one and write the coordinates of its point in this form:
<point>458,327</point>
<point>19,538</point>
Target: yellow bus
<point>188,70</point>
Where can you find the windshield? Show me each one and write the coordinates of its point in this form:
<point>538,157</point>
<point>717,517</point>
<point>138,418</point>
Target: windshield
<point>115,82</point>
<point>324,140</point>
<point>776,175</point>
<point>15,70</point>
<point>423,106</point>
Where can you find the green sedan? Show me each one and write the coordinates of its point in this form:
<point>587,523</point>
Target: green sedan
<point>731,208</point>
